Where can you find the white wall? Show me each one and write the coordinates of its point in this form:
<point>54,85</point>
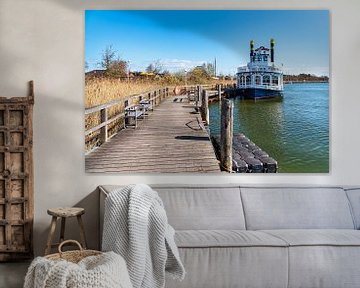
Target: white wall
<point>43,40</point>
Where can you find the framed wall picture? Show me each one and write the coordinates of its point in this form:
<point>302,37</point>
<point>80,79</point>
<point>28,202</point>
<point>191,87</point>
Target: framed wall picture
<point>204,91</point>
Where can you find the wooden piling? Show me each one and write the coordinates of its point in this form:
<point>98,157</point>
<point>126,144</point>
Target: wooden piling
<point>205,106</point>
<point>226,136</point>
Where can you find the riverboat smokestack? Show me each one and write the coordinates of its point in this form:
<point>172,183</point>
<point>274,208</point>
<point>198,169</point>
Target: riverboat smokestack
<point>272,44</point>
<point>251,48</point>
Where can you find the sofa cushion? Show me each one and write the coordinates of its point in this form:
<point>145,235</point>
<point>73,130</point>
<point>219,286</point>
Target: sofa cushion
<point>204,208</point>
<point>324,266</point>
<point>317,237</point>
<point>199,207</point>
<point>327,258</point>
<point>226,238</point>
<point>296,208</point>
<point>220,267</point>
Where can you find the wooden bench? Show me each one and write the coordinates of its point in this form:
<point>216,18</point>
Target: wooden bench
<point>133,112</point>
<point>191,95</point>
<point>146,104</point>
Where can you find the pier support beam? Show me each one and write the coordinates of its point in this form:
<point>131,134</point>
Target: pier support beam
<point>205,106</point>
<point>226,136</point>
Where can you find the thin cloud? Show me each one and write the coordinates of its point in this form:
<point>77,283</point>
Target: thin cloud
<point>179,64</point>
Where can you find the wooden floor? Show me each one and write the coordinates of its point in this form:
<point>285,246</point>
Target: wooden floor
<point>169,140</point>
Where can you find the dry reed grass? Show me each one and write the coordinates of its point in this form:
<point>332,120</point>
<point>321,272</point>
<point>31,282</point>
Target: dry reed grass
<point>102,90</point>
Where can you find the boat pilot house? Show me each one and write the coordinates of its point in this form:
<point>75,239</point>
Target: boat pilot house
<point>260,78</point>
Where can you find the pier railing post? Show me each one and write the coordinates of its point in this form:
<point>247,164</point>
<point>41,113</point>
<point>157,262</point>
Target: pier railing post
<point>219,92</point>
<point>205,106</point>
<point>104,130</point>
<point>198,95</point>
<point>126,104</point>
<point>226,136</point>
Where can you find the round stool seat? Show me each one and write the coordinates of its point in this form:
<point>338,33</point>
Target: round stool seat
<point>66,211</point>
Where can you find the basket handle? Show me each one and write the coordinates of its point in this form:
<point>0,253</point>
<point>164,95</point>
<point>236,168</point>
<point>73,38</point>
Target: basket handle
<point>69,241</point>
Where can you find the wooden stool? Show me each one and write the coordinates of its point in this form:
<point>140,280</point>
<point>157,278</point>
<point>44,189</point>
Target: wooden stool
<point>64,213</point>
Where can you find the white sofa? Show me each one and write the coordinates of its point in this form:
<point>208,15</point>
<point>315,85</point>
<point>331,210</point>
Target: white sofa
<point>264,237</point>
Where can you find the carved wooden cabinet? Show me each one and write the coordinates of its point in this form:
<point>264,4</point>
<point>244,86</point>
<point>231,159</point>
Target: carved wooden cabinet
<point>16,177</point>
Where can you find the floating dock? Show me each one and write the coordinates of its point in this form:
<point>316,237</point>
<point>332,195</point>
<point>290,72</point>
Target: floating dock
<point>247,157</point>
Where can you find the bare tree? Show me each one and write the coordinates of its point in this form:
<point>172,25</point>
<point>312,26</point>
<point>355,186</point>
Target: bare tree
<point>117,68</point>
<point>150,68</point>
<point>199,74</point>
<point>108,57</point>
<point>112,64</point>
<point>155,67</point>
<point>209,68</point>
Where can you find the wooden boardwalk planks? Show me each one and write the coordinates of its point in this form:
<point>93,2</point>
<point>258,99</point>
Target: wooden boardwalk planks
<point>169,140</point>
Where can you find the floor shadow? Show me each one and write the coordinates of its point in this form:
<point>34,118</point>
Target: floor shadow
<point>192,138</point>
<point>91,218</point>
<point>12,274</point>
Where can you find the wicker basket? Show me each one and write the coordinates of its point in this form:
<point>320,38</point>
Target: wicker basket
<point>72,256</point>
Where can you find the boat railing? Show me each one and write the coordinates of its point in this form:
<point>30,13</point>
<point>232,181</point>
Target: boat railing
<point>259,86</point>
<point>259,69</point>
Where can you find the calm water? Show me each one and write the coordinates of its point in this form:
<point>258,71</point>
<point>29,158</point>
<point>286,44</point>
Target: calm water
<point>294,130</point>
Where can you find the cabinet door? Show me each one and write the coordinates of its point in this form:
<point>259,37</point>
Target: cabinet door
<point>16,197</point>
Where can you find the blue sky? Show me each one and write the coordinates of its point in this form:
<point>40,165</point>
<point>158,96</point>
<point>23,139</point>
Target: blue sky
<point>181,39</point>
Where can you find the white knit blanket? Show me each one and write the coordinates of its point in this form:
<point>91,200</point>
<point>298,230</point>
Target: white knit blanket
<point>136,227</point>
<point>104,271</point>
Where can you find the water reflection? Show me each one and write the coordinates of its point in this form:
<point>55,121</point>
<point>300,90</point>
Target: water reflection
<point>294,130</point>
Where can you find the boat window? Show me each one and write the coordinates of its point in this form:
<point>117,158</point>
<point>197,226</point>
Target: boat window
<point>266,80</point>
<point>242,80</point>
<point>248,80</point>
<point>275,80</point>
<point>258,80</point>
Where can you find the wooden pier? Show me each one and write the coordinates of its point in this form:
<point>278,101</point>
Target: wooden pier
<point>154,132</point>
<point>170,139</point>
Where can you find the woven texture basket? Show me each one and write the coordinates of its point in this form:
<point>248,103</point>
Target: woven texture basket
<point>72,256</point>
